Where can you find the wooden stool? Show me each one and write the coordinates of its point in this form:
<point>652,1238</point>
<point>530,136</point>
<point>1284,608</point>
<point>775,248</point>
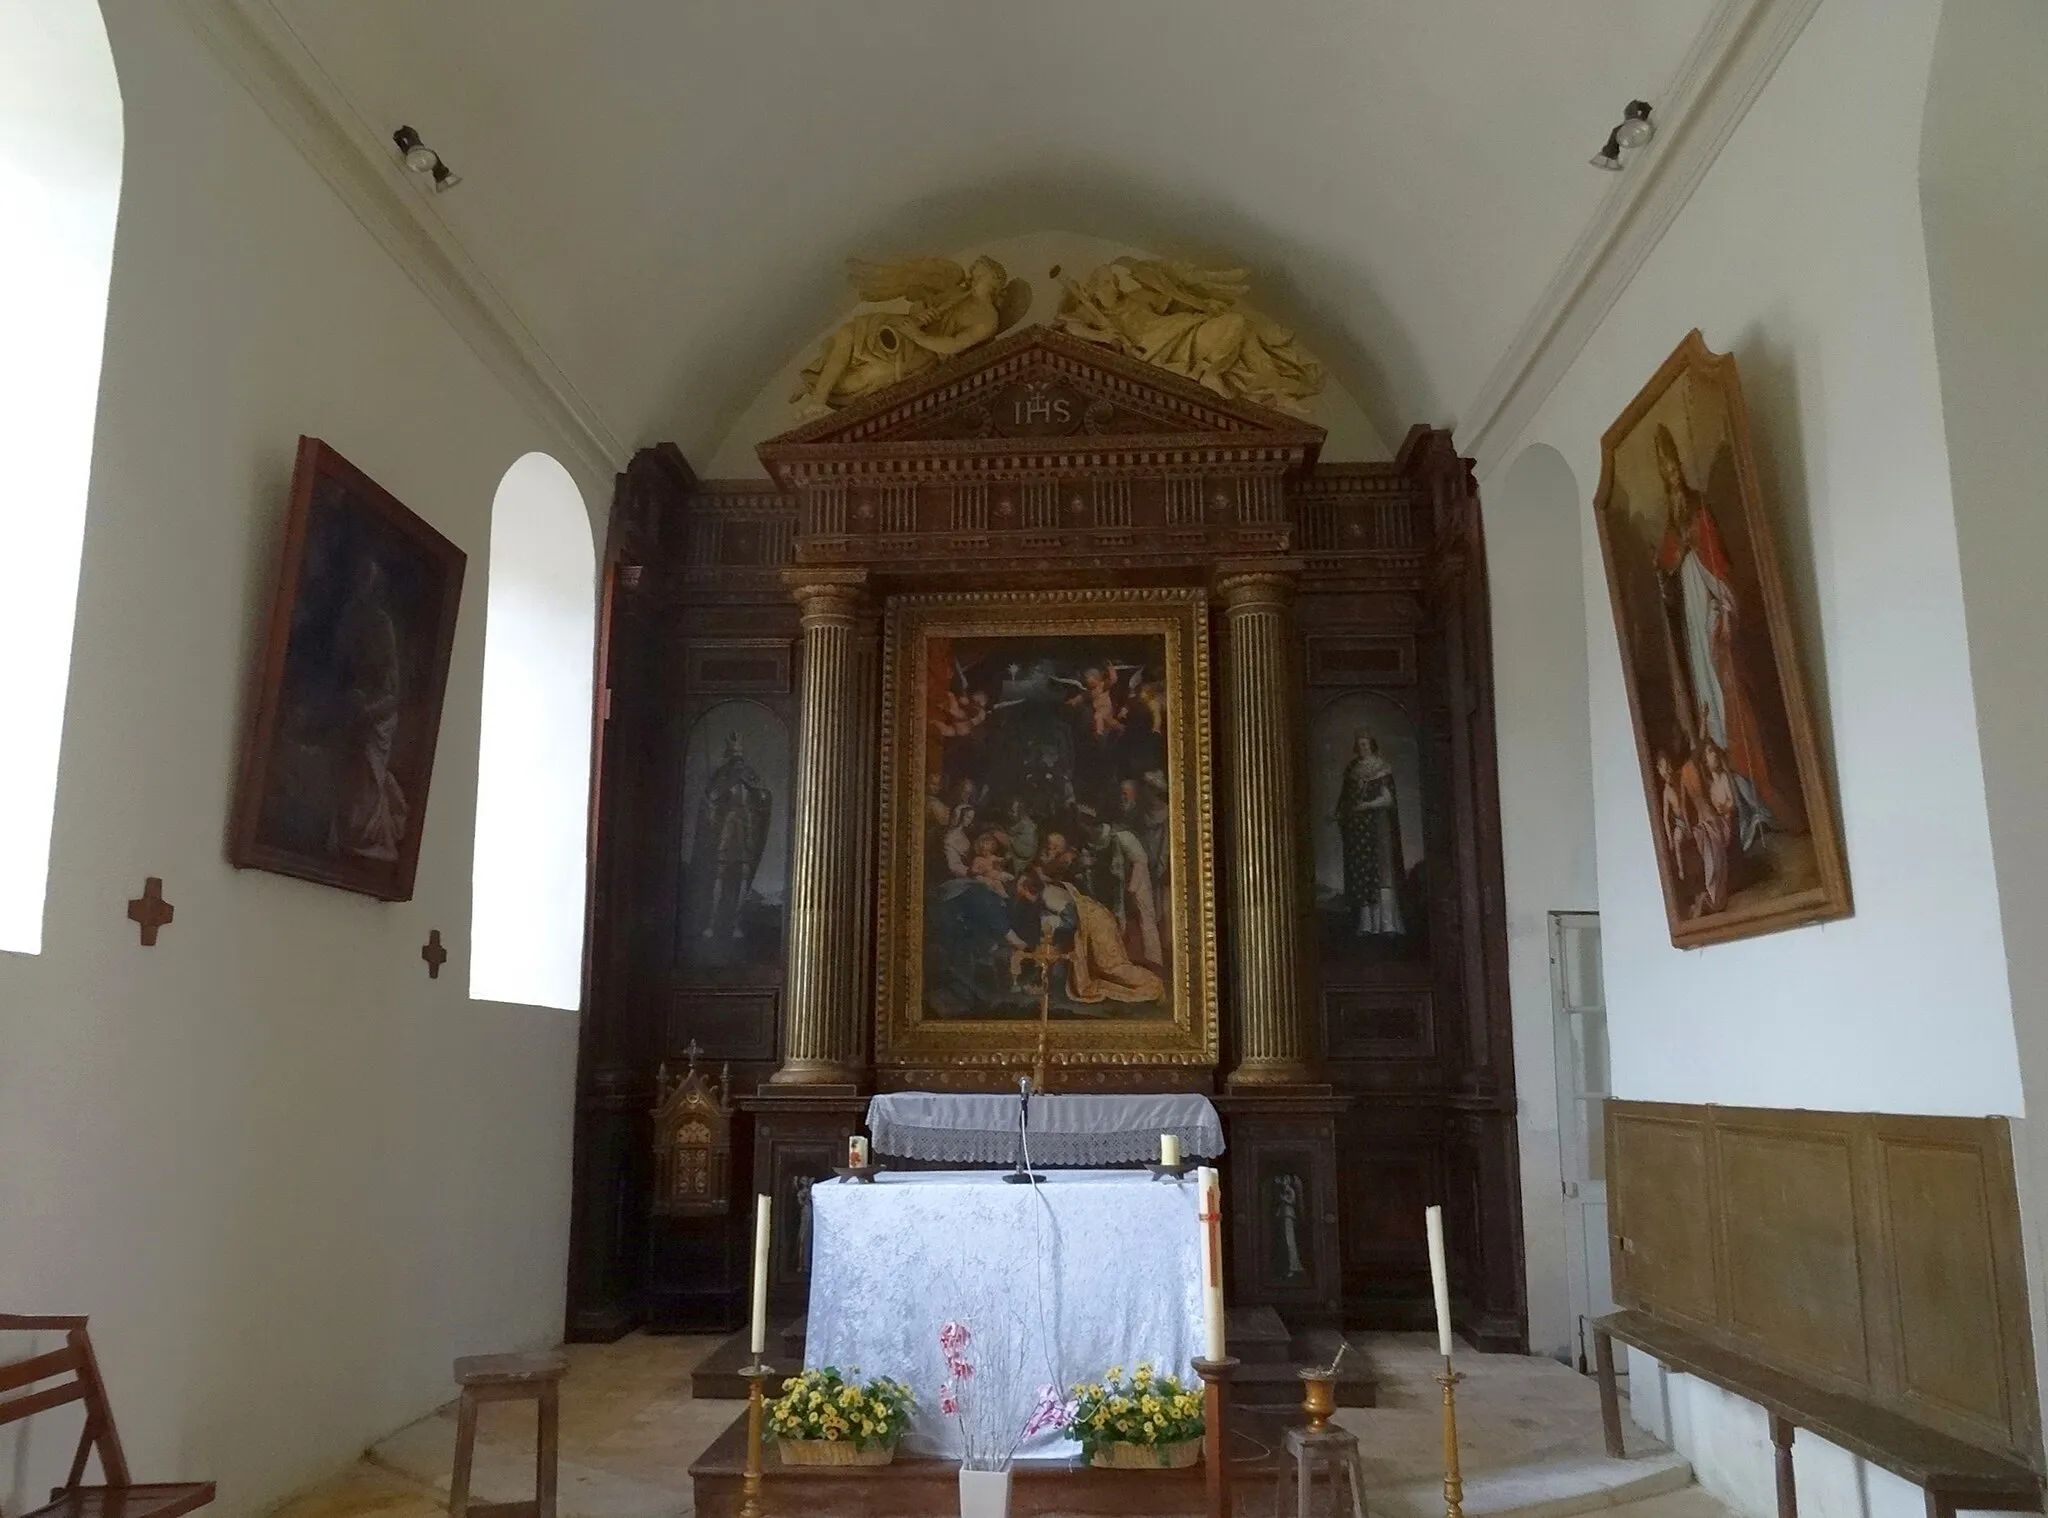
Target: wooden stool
<point>1304,1448</point>
<point>508,1378</point>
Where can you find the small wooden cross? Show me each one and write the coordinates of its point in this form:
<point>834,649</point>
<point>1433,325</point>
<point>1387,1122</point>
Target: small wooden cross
<point>150,910</point>
<point>432,952</point>
<point>695,1052</point>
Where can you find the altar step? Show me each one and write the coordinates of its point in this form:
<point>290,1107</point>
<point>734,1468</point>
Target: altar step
<point>1268,1377</point>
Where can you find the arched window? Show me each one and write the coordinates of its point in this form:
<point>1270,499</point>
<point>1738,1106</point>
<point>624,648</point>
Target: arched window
<point>60,185</point>
<point>533,764</point>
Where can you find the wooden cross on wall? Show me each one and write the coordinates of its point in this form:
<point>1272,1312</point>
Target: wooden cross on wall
<point>150,911</point>
<point>432,952</point>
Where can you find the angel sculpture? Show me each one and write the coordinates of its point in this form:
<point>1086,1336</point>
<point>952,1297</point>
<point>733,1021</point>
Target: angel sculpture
<point>1189,321</point>
<point>950,310</point>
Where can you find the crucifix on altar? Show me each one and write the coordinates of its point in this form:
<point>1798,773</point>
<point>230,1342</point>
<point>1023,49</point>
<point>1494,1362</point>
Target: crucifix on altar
<point>1044,955</point>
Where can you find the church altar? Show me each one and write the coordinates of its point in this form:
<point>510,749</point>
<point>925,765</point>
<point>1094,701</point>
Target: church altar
<point>1057,1282</point>
<point>981,1128</point>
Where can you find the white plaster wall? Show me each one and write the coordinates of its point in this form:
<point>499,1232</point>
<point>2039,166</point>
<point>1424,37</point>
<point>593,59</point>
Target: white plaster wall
<point>1031,257</point>
<point>1802,252</point>
<point>1984,194</point>
<point>288,1175</point>
<point>1546,793</point>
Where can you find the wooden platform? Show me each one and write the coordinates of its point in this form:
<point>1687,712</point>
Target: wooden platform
<point>1271,1357</point>
<point>914,1488</point>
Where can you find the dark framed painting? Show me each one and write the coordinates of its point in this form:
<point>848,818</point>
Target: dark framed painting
<point>347,707</point>
<point>1741,814</point>
<point>1366,823</point>
<point>735,883</point>
<point>1046,845</point>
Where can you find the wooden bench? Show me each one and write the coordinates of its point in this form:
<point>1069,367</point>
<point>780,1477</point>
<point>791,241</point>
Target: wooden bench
<point>76,1373</point>
<point>1952,1473</point>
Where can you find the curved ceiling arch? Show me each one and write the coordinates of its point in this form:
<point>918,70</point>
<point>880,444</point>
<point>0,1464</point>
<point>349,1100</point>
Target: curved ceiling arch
<point>665,194</point>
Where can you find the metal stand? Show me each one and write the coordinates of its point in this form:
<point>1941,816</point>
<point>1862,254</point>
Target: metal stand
<point>750,1499</point>
<point>1215,1376</point>
<point>1454,1483</point>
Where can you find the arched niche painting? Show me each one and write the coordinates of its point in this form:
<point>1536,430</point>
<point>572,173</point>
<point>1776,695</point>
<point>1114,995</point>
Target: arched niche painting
<point>736,800</point>
<point>1365,792</point>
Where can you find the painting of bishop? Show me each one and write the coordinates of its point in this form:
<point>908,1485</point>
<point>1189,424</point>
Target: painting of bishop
<point>1046,827</point>
<point>1741,818</point>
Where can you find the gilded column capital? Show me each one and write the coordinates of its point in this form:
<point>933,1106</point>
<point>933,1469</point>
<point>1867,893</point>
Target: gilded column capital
<point>828,597</point>
<point>1257,584</point>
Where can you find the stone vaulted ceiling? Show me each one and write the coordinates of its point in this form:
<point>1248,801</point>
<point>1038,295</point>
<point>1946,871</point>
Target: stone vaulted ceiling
<point>664,191</point>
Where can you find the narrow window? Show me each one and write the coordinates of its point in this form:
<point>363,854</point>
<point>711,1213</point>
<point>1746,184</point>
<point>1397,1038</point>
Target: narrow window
<point>533,764</point>
<point>60,186</point>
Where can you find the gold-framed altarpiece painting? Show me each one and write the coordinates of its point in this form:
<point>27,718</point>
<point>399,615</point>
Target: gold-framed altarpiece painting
<point>1047,840</point>
<point>1741,815</point>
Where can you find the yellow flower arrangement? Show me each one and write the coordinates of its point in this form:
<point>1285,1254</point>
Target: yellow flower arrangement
<point>1145,1409</point>
<point>824,1404</point>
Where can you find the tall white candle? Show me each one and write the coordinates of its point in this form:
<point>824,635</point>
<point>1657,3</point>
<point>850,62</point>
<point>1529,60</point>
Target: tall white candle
<point>762,1211</point>
<point>1169,1149</point>
<point>1439,1279</point>
<point>1209,1195</point>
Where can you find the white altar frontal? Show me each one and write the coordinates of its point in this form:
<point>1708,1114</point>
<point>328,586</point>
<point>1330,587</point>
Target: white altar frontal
<point>1057,1282</point>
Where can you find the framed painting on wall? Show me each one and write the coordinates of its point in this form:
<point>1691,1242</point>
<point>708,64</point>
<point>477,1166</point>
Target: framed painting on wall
<point>347,708</point>
<point>1046,844</point>
<point>1741,814</point>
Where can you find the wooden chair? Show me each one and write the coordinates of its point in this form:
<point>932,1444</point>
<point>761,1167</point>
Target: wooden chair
<point>535,1378</point>
<point>75,1363</point>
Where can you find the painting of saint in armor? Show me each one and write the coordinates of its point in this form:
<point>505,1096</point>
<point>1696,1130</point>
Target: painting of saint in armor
<point>736,850</point>
<point>1365,779</point>
<point>348,705</point>
<point>1043,840</point>
<point>1741,818</point>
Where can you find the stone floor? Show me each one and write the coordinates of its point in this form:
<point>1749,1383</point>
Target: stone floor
<point>1530,1435</point>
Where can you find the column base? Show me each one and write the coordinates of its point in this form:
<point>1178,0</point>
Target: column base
<point>1269,1071</point>
<point>816,1072</point>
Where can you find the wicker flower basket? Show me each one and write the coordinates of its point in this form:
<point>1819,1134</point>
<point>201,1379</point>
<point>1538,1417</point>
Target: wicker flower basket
<point>1148,1457</point>
<point>833,1452</point>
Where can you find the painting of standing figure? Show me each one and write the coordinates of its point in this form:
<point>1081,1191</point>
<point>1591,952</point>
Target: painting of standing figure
<point>1365,786</point>
<point>1741,815</point>
<point>1044,856</point>
<point>347,707</point>
<point>736,849</point>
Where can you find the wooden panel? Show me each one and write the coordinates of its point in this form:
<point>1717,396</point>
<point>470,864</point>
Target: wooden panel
<point>1794,1284</point>
<point>730,1024</point>
<point>1876,1256</point>
<point>1947,1283</point>
<point>1361,659</point>
<point>1392,1022</point>
<point>751,665</point>
<point>1664,1242</point>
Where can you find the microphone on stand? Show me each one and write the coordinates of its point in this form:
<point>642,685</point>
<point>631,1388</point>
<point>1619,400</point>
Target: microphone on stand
<point>1021,1176</point>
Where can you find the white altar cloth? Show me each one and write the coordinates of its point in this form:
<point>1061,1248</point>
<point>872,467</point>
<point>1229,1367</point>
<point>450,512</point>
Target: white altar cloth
<point>980,1128</point>
<point>1057,1283</point>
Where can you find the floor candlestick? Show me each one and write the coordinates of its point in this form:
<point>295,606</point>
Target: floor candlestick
<point>750,1499</point>
<point>1454,1482</point>
<point>1215,1376</point>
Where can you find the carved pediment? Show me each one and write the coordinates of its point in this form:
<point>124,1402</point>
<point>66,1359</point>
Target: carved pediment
<point>1033,389</point>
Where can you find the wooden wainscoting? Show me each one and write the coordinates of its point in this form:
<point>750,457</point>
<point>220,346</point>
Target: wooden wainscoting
<point>1876,1255</point>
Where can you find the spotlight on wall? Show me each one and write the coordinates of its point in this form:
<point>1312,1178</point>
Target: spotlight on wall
<point>422,159</point>
<point>1635,129</point>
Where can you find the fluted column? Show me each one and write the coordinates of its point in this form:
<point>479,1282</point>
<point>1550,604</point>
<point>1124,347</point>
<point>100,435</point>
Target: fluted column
<point>832,858</point>
<point>1262,742</point>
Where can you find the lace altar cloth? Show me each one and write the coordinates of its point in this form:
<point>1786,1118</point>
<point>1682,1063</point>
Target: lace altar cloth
<point>1057,1283</point>
<point>981,1129</point>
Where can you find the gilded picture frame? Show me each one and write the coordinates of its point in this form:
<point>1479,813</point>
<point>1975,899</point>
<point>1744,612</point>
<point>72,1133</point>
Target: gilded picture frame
<point>1047,845</point>
<point>1742,815</point>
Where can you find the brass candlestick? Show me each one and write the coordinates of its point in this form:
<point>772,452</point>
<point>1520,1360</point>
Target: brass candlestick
<point>1216,1428</point>
<point>1454,1483</point>
<point>750,1498</point>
